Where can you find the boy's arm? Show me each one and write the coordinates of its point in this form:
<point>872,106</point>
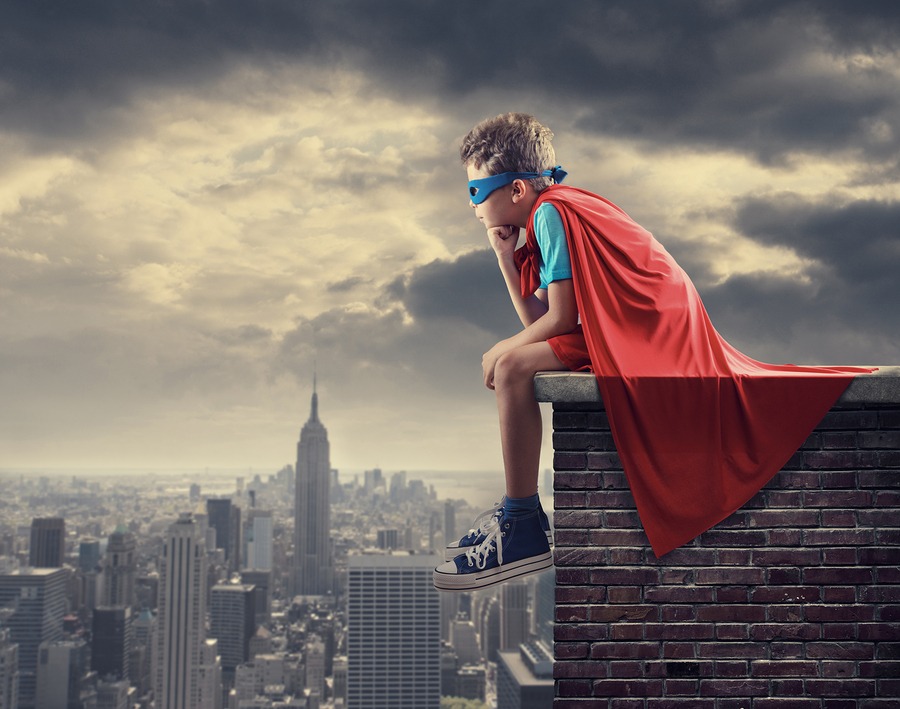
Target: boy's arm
<point>503,240</point>
<point>561,316</point>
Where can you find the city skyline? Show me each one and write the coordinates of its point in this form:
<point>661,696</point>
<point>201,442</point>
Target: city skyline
<point>186,231</point>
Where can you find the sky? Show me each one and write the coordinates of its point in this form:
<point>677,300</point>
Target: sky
<point>205,204</point>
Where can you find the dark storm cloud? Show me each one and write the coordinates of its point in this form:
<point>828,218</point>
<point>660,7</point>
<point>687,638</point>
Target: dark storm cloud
<point>852,290</point>
<point>717,73</point>
<point>469,288</point>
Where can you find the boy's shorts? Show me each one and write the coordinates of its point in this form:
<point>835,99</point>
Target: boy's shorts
<point>571,350</point>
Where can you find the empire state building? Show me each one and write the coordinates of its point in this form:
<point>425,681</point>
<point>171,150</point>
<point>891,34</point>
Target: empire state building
<point>312,509</point>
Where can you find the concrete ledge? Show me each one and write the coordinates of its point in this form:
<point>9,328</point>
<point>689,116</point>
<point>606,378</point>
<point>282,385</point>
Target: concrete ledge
<point>880,387</point>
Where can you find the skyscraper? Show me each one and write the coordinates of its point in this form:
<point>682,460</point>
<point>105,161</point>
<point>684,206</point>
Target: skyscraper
<point>393,633</point>
<point>9,668</point>
<point>312,511</point>
<point>258,540</point>
<point>514,619</point>
<point>232,622</point>
<point>63,675</point>
<point>225,518</point>
<point>182,611</point>
<point>38,597</point>
<point>48,542</point>
<point>119,568</point>
<point>111,641</point>
<point>525,677</point>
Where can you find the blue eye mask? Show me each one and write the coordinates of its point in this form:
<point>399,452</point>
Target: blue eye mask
<point>480,190</point>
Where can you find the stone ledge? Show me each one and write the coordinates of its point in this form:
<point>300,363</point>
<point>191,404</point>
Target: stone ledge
<point>880,387</point>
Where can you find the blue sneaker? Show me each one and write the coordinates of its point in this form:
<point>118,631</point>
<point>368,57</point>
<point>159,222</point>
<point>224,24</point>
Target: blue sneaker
<point>482,525</point>
<point>512,547</point>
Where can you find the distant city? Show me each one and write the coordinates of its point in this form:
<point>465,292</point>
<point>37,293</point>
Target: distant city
<point>293,589</point>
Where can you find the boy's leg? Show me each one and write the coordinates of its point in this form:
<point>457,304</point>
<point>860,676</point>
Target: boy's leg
<point>521,428</point>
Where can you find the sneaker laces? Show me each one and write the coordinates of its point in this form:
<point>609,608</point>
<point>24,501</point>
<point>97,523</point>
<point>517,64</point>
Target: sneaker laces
<point>485,520</point>
<point>478,555</point>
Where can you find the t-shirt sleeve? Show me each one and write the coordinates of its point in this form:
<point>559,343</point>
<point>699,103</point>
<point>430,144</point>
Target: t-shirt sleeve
<point>550,235</point>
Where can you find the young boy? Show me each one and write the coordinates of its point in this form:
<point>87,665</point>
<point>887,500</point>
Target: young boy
<point>699,426</point>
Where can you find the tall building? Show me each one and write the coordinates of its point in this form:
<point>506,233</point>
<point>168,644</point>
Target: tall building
<point>525,677</point>
<point>63,675</point>
<point>48,542</point>
<point>258,540</point>
<point>119,568</point>
<point>514,619</point>
<point>88,554</point>
<point>545,605</point>
<point>9,668</point>
<point>232,615</point>
<point>38,600</point>
<point>182,611</point>
<point>312,509</point>
<point>393,632</point>
<point>112,636</point>
<point>225,518</point>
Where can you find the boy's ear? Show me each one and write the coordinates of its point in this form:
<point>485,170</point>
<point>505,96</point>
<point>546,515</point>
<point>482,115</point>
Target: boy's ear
<point>519,189</point>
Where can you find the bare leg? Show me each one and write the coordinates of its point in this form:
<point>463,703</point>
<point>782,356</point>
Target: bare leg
<point>521,428</point>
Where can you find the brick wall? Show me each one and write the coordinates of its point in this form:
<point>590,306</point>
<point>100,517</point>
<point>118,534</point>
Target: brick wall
<point>793,602</point>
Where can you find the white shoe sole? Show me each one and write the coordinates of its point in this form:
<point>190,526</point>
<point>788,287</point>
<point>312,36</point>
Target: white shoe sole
<point>482,579</point>
<point>451,552</point>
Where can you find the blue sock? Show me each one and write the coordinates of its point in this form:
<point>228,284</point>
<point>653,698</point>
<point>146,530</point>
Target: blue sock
<point>521,506</point>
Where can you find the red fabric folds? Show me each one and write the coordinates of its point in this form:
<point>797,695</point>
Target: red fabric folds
<point>699,426</point>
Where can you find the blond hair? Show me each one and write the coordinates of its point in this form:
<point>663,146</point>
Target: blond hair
<point>511,142</point>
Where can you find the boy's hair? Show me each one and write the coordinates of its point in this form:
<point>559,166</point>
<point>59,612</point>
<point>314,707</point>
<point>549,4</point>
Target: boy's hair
<point>511,142</point>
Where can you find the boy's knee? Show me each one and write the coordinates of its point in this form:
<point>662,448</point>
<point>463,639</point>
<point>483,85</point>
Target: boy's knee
<point>512,367</point>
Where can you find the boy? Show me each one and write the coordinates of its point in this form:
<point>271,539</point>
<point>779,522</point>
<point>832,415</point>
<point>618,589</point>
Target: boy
<point>699,426</point>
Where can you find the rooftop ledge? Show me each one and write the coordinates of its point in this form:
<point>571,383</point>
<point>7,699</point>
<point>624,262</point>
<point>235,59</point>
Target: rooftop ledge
<point>880,387</point>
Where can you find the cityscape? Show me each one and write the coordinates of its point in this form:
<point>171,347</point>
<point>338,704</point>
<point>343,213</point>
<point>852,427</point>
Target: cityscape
<point>294,589</point>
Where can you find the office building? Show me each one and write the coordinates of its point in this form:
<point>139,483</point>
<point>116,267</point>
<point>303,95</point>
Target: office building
<point>525,677</point>
<point>9,667</point>
<point>63,679</point>
<point>120,569</point>
<point>393,632</point>
<point>88,554</point>
<point>232,622</point>
<point>112,636</point>
<point>225,519</point>
<point>313,570</point>
<point>182,612</point>
<point>514,618</point>
<point>48,542</point>
<point>258,540</point>
<point>38,600</point>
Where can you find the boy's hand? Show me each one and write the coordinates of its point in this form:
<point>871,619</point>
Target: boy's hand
<point>503,239</point>
<point>489,362</point>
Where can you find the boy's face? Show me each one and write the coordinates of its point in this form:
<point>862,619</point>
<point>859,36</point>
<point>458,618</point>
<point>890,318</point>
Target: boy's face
<point>503,207</point>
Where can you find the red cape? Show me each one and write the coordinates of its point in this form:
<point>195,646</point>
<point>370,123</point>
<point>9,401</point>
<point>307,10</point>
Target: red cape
<point>699,426</point>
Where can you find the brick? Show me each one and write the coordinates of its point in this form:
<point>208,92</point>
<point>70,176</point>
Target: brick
<point>609,499</point>
<point>784,614</point>
<point>838,631</point>
<point>624,576</point>
<point>838,537</point>
<point>779,650</point>
<point>784,668</point>
<point>880,439</point>
<point>841,613</point>
<point>677,614</point>
<point>842,556</point>
<point>625,594</point>
<point>606,460</point>
<point>734,538</point>
<point>581,441</point>
<point>676,703</point>
<point>836,480</point>
<point>570,651</point>
<point>837,575</point>
<point>679,651</point>
<point>626,631</point>
<point>786,594</point>
<point>735,575</point>
<point>624,687</point>
<point>732,613</point>
<point>786,557</point>
<point>837,498</point>
<point>880,479</point>
<point>732,631</point>
<point>832,669</point>
<point>784,518</point>
<point>577,519</point>
<point>612,614</point>
<point>569,498</point>
<point>579,632</point>
<point>730,668</point>
<point>749,650</point>
<point>579,669</point>
<point>840,651</point>
<point>733,688</point>
<point>878,631</point>
<point>610,651</point>
<point>839,594</point>
<point>766,632</point>
<point>840,688</point>
<point>839,518</point>
<point>580,594</point>
<point>589,556</point>
<point>567,460</point>
<point>785,703</point>
<point>573,688</point>
<point>575,480</point>
<point>679,594</point>
<point>618,537</point>
<point>679,631</point>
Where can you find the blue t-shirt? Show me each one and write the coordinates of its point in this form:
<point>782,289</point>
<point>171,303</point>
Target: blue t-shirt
<point>551,239</point>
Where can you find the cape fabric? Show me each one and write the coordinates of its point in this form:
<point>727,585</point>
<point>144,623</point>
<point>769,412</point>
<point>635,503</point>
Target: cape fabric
<point>699,426</point>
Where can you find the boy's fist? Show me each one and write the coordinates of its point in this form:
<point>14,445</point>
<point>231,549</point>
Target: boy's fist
<point>503,239</point>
